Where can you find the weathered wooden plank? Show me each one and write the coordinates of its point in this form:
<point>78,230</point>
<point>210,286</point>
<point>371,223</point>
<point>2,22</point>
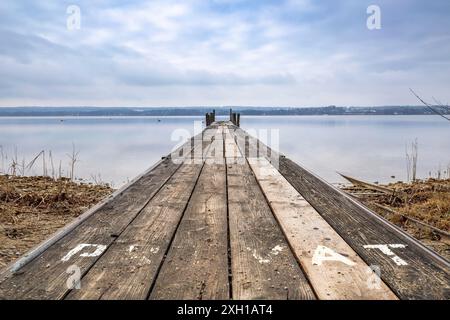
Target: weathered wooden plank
<point>196,266</point>
<point>426,275</point>
<point>232,152</point>
<point>253,147</point>
<point>419,274</point>
<point>191,151</point>
<point>263,266</point>
<point>215,153</point>
<point>130,265</point>
<point>201,144</point>
<point>333,268</point>
<point>81,248</point>
<point>59,234</point>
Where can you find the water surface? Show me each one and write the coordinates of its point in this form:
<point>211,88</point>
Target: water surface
<point>118,149</point>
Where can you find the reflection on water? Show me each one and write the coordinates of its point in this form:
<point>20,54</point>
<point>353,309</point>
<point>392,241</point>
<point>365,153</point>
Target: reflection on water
<point>368,147</point>
<point>117,149</point>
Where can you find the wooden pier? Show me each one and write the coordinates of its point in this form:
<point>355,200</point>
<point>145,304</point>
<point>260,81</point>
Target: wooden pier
<point>228,219</point>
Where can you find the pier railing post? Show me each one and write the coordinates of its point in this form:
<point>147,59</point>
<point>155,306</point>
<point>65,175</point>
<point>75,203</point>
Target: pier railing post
<point>235,118</point>
<point>210,117</point>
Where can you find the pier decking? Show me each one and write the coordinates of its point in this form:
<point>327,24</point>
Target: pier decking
<point>229,219</point>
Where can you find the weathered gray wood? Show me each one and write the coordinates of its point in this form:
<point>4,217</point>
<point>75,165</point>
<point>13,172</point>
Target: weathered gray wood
<point>100,229</point>
<point>130,265</point>
<point>232,153</point>
<point>427,275</point>
<point>215,153</point>
<point>59,234</point>
<point>333,268</point>
<point>424,276</point>
<point>196,266</point>
<point>263,266</point>
<point>93,236</point>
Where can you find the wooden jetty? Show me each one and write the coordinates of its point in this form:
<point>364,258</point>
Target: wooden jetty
<point>226,217</point>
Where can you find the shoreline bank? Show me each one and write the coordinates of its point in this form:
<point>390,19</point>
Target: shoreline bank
<point>421,208</point>
<point>33,208</point>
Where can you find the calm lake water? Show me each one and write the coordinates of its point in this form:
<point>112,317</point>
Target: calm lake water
<point>115,150</point>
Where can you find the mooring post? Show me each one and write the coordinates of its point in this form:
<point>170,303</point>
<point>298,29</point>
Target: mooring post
<point>210,117</point>
<point>235,118</point>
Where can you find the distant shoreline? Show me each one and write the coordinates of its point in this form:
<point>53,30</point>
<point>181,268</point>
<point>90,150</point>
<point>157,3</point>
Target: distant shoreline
<point>201,117</point>
<point>220,111</point>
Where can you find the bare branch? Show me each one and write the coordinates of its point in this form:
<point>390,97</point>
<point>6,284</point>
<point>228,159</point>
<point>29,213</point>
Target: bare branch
<point>428,105</point>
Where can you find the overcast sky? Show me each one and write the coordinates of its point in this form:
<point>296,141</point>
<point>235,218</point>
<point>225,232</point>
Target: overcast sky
<point>223,52</point>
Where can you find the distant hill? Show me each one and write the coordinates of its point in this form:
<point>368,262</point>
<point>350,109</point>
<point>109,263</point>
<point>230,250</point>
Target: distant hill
<point>200,111</point>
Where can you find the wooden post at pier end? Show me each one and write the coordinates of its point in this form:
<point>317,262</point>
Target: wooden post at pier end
<point>235,118</point>
<point>210,118</point>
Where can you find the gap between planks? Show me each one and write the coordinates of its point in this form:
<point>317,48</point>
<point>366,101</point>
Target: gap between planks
<point>196,266</point>
<point>332,267</point>
<point>422,274</point>
<point>263,265</point>
<point>97,232</point>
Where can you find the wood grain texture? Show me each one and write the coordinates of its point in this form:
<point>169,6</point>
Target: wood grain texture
<point>424,276</point>
<point>101,229</point>
<point>196,266</point>
<point>427,275</point>
<point>215,153</point>
<point>232,152</point>
<point>312,237</point>
<point>130,265</point>
<point>263,266</point>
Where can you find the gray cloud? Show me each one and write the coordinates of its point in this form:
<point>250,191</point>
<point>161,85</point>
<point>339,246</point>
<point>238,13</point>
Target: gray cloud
<point>292,52</point>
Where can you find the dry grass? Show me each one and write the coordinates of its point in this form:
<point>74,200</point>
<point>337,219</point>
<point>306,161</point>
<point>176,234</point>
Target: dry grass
<point>426,201</point>
<point>33,208</point>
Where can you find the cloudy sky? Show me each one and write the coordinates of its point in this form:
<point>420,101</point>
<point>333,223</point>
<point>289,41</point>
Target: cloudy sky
<point>223,52</point>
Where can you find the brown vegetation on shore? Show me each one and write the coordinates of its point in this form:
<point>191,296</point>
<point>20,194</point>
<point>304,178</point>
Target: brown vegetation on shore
<point>426,202</point>
<point>33,208</point>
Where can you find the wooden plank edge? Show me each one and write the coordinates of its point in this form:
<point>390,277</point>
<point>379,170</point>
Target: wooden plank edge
<point>62,232</point>
<point>386,294</point>
<point>406,237</point>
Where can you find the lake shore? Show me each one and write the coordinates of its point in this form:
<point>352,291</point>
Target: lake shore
<point>33,208</point>
<point>421,208</point>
